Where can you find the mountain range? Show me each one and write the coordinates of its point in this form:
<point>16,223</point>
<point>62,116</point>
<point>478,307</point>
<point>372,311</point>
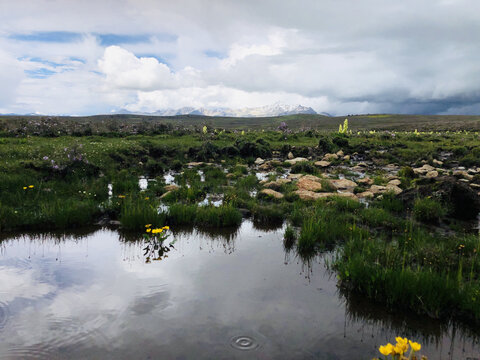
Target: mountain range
<point>276,109</point>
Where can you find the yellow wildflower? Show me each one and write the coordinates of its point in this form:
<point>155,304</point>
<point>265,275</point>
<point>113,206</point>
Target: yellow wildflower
<point>148,225</point>
<point>30,186</point>
<point>415,346</point>
<point>148,230</point>
<point>166,227</point>
<point>401,346</point>
<point>386,349</point>
<point>147,198</point>
<point>24,188</point>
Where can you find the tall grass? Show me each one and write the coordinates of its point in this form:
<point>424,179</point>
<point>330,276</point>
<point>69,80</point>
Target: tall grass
<point>136,212</point>
<point>209,216</point>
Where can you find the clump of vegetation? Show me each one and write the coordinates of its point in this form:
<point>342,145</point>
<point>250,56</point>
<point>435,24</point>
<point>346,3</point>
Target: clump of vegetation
<point>428,210</point>
<point>304,167</point>
<point>222,216</point>
<point>289,237</point>
<point>137,211</point>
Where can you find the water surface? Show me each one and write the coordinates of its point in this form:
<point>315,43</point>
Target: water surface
<point>232,295</point>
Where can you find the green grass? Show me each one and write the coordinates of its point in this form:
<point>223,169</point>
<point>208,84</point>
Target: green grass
<point>428,210</point>
<point>136,212</point>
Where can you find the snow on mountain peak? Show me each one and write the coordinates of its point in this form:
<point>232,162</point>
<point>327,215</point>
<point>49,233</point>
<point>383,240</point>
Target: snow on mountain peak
<point>277,109</point>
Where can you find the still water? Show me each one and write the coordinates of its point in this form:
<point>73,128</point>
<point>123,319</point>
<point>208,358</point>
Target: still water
<point>237,295</point>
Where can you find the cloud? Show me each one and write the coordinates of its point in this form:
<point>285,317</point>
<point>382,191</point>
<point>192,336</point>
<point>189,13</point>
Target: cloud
<point>124,70</point>
<point>345,56</point>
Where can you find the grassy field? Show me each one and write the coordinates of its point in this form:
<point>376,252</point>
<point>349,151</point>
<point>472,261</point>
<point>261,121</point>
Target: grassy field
<point>128,124</point>
<point>396,207</point>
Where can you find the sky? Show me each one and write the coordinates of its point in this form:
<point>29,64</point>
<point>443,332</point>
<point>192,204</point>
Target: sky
<point>337,56</point>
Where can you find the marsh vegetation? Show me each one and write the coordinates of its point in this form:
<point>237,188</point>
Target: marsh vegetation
<point>396,211</point>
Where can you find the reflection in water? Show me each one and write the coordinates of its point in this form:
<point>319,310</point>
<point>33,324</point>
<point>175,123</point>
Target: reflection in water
<point>233,294</point>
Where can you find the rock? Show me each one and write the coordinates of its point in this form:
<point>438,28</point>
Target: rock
<point>343,184</point>
<point>272,193</point>
<point>307,195</point>
<point>330,157</point>
<point>423,170</point>
<point>340,153</point>
<point>357,168</point>
<point>394,188</point>
<point>294,176</point>
<point>193,164</point>
<point>115,222</point>
<point>277,183</point>
<point>259,161</point>
<point>395,182</point>
<point>171,187</point>
<point>346,158</point>
<point>310,195</point>
<point>437,162</point>
<point>365,194</point>
<point>462,174</point>
<point>432,174</point>
<point>308,184</point>
<point>290,155</point>
<point>472,171</point>
<point>462,201</point>
<point>365,181</point>
<point>362,164</point>
<point>378,189</point>
<point>296,160</point>
<point>265,166</point>
<point>312,177</point>
<point>322,163</point>
<point>349,195</point>
<point>475,186</point>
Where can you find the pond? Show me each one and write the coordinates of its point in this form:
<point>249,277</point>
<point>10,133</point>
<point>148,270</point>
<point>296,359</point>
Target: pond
<point>232,295</point>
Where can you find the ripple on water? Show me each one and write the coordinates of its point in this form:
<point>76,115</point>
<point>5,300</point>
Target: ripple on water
<point>244,343</point>
<point>30,352</point>
<point>67,337</point>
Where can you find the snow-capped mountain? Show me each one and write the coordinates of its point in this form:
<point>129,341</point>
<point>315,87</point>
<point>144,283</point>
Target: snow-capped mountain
<point>276,109</point>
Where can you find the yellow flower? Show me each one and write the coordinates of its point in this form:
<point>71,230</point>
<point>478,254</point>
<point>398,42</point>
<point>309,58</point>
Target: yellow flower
<point>148,225</point>
<point>415,346</point>
<point>148,230</point>
<point>30,186</point>
<point>147,198</point>
<point>386,349</point>
<point>166,227</point>
<point>121,196</point>
<point>401,340</point>
<point>24,188</point>
<point>400,348</point>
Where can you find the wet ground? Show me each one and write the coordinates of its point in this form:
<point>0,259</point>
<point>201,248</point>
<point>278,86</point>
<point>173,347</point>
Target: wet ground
<point>229,295</point>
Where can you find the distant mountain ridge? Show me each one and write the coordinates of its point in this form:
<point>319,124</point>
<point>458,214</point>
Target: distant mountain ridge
<point>277,109</point>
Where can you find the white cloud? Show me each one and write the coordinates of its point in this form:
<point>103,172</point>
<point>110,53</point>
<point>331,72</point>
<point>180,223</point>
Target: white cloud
<point>411,57</point>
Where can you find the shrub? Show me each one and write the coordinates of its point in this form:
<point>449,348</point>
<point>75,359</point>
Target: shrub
<point>325,145</point>
<point>304,167</point>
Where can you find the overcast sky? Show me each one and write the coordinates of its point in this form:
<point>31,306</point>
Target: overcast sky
<point>337,56</point>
